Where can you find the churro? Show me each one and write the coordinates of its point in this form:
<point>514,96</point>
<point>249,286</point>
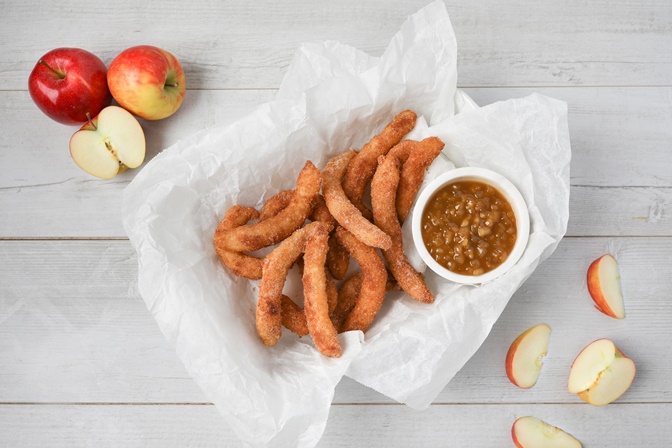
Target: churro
<point>374,278</point>
<point>342,209</point>
<point>276,228</point>
<point>275,269</point>
<point>293,317</point>
<point>383,194</point>
<point>413,172</point>
<point>240,264</point>
<point>275,204</point>
<point>363,165</point>
<point>315,305</point>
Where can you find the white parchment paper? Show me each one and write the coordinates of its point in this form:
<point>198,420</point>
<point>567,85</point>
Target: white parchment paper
<point>335,97</point>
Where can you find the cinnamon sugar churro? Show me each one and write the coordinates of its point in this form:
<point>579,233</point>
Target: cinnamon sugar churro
<point>275,229</point>
<point>316,304</point>
<point>339,229</point>
<point>413,172</point>
<point>276,267</point>
<point>240,264</point>
<point>363,165</point>
<point>374,278</point>
<point>343,210</point>
<point>383,195</point>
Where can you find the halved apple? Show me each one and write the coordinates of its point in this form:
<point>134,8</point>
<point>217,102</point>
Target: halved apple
<point>604,286</point>
<point>523,361</point>
<point>601,373</point>
<point>530,432</point>
<point>109,143</point>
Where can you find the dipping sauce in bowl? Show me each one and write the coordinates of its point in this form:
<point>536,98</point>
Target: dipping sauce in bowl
<point>468,227</point>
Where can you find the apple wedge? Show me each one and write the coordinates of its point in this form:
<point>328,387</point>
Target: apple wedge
<point>530,432</point>
<point>604,286</point>
<point>524,359</point>
<point>109,143</point>
<point>601,373</point>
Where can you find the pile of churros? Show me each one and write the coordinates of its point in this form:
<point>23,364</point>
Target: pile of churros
<point>340,226</point>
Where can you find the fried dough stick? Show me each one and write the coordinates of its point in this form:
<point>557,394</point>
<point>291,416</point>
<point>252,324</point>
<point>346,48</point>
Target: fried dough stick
<point>383,193</point>
<point>275,269</point>
<point>275,204</point>
<point>339,256</point>
<point>240,264</point>
<point>293,317</point>
<point>401,151</point>
<point>374,278</point>
<point>315,305</point>
<point>342,209</point>
<point>363,165</point>
<point>413,172</point>
<point>348,294</point>
<point>338,259</point>
<point>277,228</point>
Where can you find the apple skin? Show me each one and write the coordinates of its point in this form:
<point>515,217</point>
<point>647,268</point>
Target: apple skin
<point>545,435</point>
<point>147,81</point>
<point>587,394</point>
<point>596,289</point>
<point>513,349</point>
<point>109,144</point>
<point>541,330</point>
<point>75,85</point>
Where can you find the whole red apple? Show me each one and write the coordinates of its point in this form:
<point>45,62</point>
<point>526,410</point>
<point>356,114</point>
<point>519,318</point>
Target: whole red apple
<point>147,81</point>
<point>68,83</point>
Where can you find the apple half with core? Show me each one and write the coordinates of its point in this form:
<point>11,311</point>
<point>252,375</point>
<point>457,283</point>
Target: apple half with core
<point>604,286</point>
<point>109,143</point>
<point>524,359</point>
<point>601,373</point>
<point>68,83</point>
<point>530,432</point>
<point>147,81</point>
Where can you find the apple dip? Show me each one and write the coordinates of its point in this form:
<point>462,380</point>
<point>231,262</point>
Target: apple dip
<point>468,227</point>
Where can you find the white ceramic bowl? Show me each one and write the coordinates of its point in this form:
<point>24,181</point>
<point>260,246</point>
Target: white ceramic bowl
<point>508,190</point>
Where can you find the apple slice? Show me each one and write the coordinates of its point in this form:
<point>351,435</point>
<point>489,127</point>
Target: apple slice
<point>604,286</point>
<point>601,373</point>
<point>523,361</point>
<point>109,143</point>
<point>530,432</point>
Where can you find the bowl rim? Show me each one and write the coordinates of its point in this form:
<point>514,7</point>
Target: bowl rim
<point>508,190</point>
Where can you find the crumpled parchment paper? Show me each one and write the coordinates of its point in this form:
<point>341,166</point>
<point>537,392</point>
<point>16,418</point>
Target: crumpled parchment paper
<point>335,97</point>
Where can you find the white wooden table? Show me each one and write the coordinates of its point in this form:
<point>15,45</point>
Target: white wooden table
<point>82,363</point>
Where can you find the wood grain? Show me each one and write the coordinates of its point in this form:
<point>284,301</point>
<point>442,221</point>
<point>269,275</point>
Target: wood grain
<point>60,426</point>
<point>240,44</point>
<point>620,138</point>
<point>74,329</point>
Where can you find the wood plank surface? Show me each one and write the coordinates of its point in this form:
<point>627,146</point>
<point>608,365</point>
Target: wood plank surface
<point>245,44</point>
<point>620,137</point>
<point>82,362</point>
<point>61,426</point>
<point>74,329</point>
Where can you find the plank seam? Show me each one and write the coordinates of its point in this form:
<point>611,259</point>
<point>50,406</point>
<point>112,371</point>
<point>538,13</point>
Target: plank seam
<point>583,86</point>
<point>115,238</point>
<point>553,403</point>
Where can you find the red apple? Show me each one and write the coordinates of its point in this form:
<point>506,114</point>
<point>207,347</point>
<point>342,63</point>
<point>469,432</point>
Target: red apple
<point>147,81</point>
<point>604,286</point>
<point>69,83</point>
<point>523,361</point>
<point>601,373</point>
<point>109,143</point>
<point>530,432</point>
